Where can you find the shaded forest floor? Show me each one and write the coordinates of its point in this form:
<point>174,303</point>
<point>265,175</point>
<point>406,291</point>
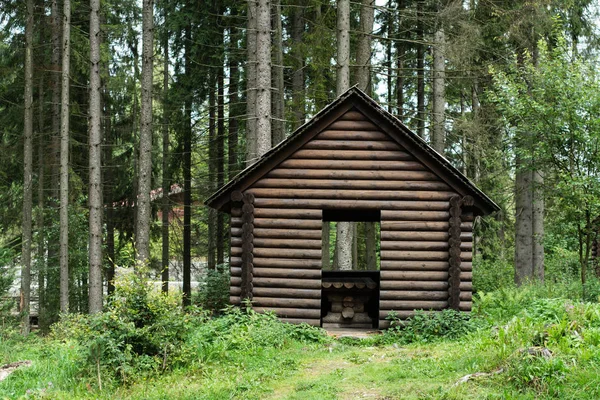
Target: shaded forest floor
<point>525,345</point>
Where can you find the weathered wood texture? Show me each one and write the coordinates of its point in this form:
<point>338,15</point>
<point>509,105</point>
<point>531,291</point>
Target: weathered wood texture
<point>352,164</point>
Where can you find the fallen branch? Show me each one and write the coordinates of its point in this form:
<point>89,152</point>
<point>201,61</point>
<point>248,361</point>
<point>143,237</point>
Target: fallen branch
<point>469,377</point>
<point>8,369</point>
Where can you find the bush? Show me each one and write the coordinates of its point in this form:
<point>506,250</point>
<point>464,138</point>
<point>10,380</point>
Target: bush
<point>428,327</point>
<point>490,275</point>
<point>213,292</point>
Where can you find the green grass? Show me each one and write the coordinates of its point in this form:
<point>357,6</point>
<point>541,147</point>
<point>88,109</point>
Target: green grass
<point>253,357</point>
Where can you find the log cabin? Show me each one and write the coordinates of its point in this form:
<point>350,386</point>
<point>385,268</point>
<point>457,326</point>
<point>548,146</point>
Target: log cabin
<point>352,162</point>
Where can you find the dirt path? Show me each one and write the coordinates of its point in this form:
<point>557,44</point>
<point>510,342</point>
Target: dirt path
<point>8,369</point>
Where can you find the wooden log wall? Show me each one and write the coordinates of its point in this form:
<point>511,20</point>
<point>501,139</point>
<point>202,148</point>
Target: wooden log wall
<point>351,165</point>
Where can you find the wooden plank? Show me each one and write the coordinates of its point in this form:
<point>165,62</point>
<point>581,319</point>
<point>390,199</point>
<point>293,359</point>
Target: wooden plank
<point>235,290</point>
<point>364,204</point>
<point>372,155</point>
<point>287,273</point>
<point>235,300</point>
<point>414,255</point>
<point>331,134</point>
<point>411,220</point>
<point>287,233</point>
<point>413,295</point>
<point>287,213</point>
<point>353,116</point>
<point>466,296</point>
<point>465,306</point>
<point>466,256</point>
<point>377,165</point>
<point>343,194</point>
<point>412,304</point>
<point>353,125</point>
<point>285,302</point>
<point>280,223</point>
<point>466,275</point>
<point>280,263</point>
<point>396,265</point>
<point>413,285</point>
<point>413,246</point>
<point>286,253</point>
<point>287,283</point>
<point>373,145</point>
<point>403,171</point>
<point>414,275</point>
<point>235,281</point>
<point>297,321</point>
<point>235,271</point>
<point>281,243</point>
<point>420,235</point>
<point>291,312</point>
<point>287,292</point>
<point>297,183</point>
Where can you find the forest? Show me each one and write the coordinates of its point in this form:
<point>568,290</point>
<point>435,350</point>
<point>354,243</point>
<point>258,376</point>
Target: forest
<point>119,119</point>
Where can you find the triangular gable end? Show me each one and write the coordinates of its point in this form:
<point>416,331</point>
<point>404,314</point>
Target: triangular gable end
<point>353,100</point>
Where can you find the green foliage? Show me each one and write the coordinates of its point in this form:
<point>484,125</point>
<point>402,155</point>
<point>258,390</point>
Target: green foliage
<point>6,281</point>
<point>213,292</point>
<point>426,327</point>
<point>490,275</point>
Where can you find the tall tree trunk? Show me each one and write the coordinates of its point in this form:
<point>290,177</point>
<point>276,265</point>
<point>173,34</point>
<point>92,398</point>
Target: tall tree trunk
<point>166,179</point>
<point>27,174</point>
<point>251,47</point>
<point>279,95</point>
<point>439,90</point>
<point>212,173</point>
<point>187,170</point>
<point>297,35</point>
<point>145,163</point>
<point>41,198</point>
<point>233,107</point>
<point>363,51</point>
<point>263,77</point>
<point>537,216</point>
<point>56,85</point>
<point>344,230</point>
<point>420,72</point>
<point>343,47</point>
<point>523,222</point>
<point>220,145</point>
<point>95,162</point>
<point>64,160</point>
<point>389,22</point>
<point>400,54</point>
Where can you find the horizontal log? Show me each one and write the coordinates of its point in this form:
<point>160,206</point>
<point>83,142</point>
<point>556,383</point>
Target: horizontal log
<point>466,246</point>
<point>466,226</point>
<point>353,125</point>
<point>234,300</point>
<point>235,291</point>
<point>396,265</point>
<point>413,295</point>
<point>235,271</point>
<point>297,321</point>
<point>371,155</point>
<point>279,223</point>
<point>373,145</point>
<point>285,302</point>
<point>285,212</point>
<point>287,273</point>
<point>291,312</point>
<point>235,281</point>
<point>414,255</point>
<point>466,275</point>
<point>377,165</point>
<point>466,286</point>
<point>420,235</point>
<point>287,293</point>
<point>353,116</point>
<point>409,217</point>
<point>287,233</point>
<point>287,283</point>
<point>413,226</point>
<point>414,275</point>
<point>465,306</point>
<point>403,171</point>
<point>331,134</point>
<point>466,256</point>
<point>285,253</point>
<point>361,204</point>
<point>280,263</point>
<point>417,195</point>
<point>281,243</point>
<point>413,304</point>
<point>410,246</point>
<point>466,296</point>
<point>413,285</point>
<point>347,184</point>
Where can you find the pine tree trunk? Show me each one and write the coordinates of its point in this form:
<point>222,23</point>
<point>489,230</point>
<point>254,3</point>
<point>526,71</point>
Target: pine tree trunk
<point>187,172</point>
<point>343,246</point>
<point>251,39</point>
<point>144,209</point>
<point>400,54</point>
<point>95,163</point>
<point>343,47</point>
<point>439,90</point>
<point>363,51</point>
<point>220,147</point>
<point>538,225</point>
<point>371,246</point>
<point>64,161</point>
<point>297,55</point>
<point>279,95</point>
<point>166,178</point>
<point>41,197</point>
<point>233,107</point>
<point>523,222</point>
<point>212,174</point>
<point>27,175</point>
<point>420,72</point>
<point>263,77</point>
<point>56,86</point>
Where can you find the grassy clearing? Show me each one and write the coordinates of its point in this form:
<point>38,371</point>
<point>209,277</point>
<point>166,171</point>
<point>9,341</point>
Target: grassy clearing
<point>535,348</point>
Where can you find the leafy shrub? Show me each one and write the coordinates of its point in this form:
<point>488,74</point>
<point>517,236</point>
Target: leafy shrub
<point>213,292</point>
<point>540,373</point>
<point>591,290</point>
<point>428,327</point>
<point>490,275</point>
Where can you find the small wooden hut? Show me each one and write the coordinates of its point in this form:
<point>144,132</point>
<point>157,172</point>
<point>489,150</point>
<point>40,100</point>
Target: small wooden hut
<point>353,161</point>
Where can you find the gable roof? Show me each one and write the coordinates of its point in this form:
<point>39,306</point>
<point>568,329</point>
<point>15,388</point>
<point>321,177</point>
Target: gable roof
<point>356,99</point>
